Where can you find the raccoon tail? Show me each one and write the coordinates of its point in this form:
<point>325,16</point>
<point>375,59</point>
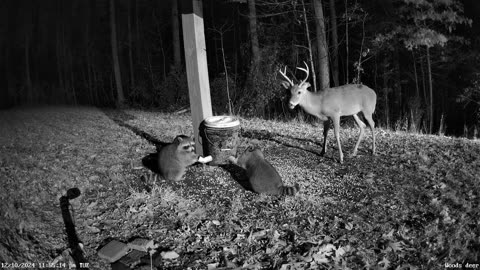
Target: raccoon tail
<point>149,178</point>
<point>289,190</point>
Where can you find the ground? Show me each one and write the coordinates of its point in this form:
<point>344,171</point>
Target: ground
<point>414,205</point>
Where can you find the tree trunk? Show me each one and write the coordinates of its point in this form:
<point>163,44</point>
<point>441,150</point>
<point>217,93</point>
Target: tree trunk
<point>346,42</point>
<point>8,75</point>
<point>333,22</point>
<point>252,19</point>
<point>177,59</point>
<point>310,54</point>
<point>417,88</point>
<point>138,37</point>
<point>321,45</point>
<point>87,76</point>
<point>424,87</point>
<point>430,86</point>
<point>130,44</point>
<point>28,77</point>
<point>398,105</point>
<point>72,78</point>
<point>116,62</point>
<point>385,89</point>
<point>61,82</point>
<point>214,41</point>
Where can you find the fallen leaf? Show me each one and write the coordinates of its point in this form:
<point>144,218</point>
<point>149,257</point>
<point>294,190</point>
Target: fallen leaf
<point>169,255</point>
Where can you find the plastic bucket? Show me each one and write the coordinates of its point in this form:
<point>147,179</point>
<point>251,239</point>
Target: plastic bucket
<point>220,138</point>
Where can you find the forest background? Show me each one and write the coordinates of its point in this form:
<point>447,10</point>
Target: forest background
<point>421,56</point>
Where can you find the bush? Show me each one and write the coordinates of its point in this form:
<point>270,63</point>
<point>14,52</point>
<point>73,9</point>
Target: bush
<point>167,95</point>
<point>262,95</point>
<point>471,96</point>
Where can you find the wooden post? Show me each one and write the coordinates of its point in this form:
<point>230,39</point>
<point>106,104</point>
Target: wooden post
<point>196,63</point>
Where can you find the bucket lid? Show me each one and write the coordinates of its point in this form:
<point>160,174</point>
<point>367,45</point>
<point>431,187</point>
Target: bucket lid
<point>222,121</point>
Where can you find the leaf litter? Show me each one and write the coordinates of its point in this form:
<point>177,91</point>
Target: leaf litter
<point>415,205</point>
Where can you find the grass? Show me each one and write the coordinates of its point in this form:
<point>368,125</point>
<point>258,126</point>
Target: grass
<point>415,205</point>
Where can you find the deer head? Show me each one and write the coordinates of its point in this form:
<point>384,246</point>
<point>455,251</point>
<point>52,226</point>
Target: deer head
<point>297,91</point>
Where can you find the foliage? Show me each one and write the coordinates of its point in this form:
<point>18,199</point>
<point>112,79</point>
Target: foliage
<point>420,23</point>
<point>262,90</point>
<point>167,95</point>
<point>414,206</point>
<point>172,93</point>
<point>471,96</point>
<point>417,25</point>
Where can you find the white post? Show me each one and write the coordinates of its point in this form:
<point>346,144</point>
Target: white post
<point>196,64</point>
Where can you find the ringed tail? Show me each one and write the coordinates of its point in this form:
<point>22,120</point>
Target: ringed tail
<point>290,190</point>
<point>149,177</point>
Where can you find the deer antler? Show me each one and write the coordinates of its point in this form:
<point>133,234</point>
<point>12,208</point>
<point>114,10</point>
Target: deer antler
<point>306,70</point>
<point>284,74</point>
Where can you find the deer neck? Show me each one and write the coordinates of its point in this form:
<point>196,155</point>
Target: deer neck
<point>312,103</point>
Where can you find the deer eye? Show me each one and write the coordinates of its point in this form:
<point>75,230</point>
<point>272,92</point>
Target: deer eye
<point>299,92</point>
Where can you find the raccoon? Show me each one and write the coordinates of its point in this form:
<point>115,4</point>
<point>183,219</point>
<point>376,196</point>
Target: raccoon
<point>174,158</point>
<point>261,174</point>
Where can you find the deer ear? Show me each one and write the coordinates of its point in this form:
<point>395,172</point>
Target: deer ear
<point>307,85</point>
<point>286,84</point>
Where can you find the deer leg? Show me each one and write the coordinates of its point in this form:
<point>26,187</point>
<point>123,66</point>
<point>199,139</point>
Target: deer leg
<point>372,126</point>
<point>362,126</point>
<point>326,127</point>
<point>336,128</point>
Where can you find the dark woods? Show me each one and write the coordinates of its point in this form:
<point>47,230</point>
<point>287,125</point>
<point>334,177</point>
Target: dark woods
<point>420,56</point>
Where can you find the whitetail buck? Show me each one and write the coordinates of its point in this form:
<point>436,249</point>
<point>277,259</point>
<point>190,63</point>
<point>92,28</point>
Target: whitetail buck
<point>349,99</point>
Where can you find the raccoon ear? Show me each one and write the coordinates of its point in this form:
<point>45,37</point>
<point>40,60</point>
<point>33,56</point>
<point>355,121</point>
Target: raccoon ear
<point>177,140</point>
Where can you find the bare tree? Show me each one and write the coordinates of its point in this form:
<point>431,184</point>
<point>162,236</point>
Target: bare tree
<point>252,19</point>
<point>130,44</point>
<point>321,45</point>
<point>333,22</point>
<point>116,62</point>
<point>310,54</point>
<point>221,31</point>
<point>430,88</point>
<point>28,77</point>
<point>177,59</point>
<point>346,41</point>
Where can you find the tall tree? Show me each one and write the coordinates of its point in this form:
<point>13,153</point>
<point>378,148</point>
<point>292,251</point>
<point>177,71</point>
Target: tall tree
<point>28,77</point>
<point>428,30</point>
<point>333,23</point>
<point>252,19</point>
<point>116,62</point>
<point>321,45</point>
<point>130,43</point>
<point>309,46</point>
<point>177,60</point>
<point>411,27</point>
